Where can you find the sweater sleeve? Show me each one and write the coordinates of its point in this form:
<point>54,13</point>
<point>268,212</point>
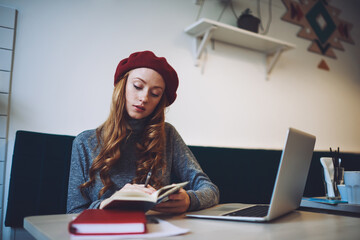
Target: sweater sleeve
<point>202,192</point>
<point>81,159</point>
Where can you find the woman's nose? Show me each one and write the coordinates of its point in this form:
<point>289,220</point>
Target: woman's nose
<point>144,97</point>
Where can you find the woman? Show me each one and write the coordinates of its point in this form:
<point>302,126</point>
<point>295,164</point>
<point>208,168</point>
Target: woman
<point>135,138</point>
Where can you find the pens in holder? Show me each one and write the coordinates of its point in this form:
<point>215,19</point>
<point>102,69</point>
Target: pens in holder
<point>338,170</point>
<point>148,177</point>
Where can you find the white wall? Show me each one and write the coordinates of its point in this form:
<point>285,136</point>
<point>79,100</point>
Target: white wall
<point>66,53</point>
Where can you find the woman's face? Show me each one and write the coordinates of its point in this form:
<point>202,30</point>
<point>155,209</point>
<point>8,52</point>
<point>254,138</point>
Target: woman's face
<point>144,89</point>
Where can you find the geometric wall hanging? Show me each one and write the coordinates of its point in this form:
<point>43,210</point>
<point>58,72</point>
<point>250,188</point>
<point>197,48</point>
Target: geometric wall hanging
<point>320,24</point>
<point>323,65</point>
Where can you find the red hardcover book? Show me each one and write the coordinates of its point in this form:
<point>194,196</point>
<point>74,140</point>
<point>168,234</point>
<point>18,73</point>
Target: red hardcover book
<point>108,222</point>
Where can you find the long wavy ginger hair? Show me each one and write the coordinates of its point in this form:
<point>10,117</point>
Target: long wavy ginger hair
<point>115,131</point>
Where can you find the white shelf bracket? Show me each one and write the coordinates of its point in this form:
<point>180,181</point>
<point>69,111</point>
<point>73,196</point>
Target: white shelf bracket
<point>272,60</point>
<point>199,47</point>
<point>205,30</point>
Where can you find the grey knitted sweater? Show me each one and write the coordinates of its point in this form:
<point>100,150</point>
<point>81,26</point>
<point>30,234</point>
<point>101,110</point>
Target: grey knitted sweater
<point>181,166</point>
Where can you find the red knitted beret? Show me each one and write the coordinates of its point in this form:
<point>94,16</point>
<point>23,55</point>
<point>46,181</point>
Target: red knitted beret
<point>148,59</point>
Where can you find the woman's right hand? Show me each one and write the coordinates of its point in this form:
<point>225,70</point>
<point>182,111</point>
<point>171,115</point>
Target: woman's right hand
<point>128,187</point>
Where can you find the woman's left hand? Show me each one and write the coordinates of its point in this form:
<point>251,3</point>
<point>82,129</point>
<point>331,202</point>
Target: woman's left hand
<point>178,203</point>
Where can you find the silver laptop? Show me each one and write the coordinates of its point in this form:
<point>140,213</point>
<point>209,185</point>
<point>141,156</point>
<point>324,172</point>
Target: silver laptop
<point>288,190</point>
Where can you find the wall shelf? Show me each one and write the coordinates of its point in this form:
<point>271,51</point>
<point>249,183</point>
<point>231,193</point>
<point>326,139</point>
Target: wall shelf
<point>205,29</point>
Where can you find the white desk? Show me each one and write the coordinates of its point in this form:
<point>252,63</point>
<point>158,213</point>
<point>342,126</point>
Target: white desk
<point>296,225</point>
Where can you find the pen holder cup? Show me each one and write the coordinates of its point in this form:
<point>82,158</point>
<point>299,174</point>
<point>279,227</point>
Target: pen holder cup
<point>331,183</point>
<point>352,183</point>
<point>343,192</point>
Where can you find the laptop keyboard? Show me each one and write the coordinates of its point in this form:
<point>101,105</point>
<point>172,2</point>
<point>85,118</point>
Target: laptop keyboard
<point>254,211</point>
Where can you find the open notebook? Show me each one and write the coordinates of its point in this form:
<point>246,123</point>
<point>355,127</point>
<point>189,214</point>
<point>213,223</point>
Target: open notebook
<point>288,189</point>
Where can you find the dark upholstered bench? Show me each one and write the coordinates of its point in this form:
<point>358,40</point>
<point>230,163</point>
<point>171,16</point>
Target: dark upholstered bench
<point>40,170</point>
<point>248,175</point>
<point>39,176</point>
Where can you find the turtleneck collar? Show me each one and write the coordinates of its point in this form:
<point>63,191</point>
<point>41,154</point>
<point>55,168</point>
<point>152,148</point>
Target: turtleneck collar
<point>137,125</point>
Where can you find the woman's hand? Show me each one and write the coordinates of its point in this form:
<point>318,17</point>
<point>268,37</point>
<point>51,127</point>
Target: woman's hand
<point>178,203</point>
<point>128,187</point>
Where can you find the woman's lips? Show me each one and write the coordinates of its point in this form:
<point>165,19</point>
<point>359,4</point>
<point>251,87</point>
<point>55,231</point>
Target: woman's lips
<point>139,108</point>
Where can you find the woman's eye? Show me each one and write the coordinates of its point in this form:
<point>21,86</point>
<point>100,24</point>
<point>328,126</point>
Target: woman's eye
<point>137,87</point>
<point>156,93</point>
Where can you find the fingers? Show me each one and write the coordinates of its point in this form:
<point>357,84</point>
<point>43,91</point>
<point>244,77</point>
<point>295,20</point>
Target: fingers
<point>178,203</point>
<point>151,188</point>
<point>177,196</point>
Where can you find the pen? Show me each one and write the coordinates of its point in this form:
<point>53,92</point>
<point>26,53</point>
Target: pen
<point>148,177</point>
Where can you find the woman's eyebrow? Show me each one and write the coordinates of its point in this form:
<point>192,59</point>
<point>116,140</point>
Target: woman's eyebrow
<point>138,78</point>
<point>158,87</point>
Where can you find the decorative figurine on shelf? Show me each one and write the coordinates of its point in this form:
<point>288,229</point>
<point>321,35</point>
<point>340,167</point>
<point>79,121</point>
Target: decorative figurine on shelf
<point>248,22</point>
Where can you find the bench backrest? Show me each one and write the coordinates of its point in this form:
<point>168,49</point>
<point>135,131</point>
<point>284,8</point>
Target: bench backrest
<point>39,176</point>
<point>41,162</point>
<point>248,175</point>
